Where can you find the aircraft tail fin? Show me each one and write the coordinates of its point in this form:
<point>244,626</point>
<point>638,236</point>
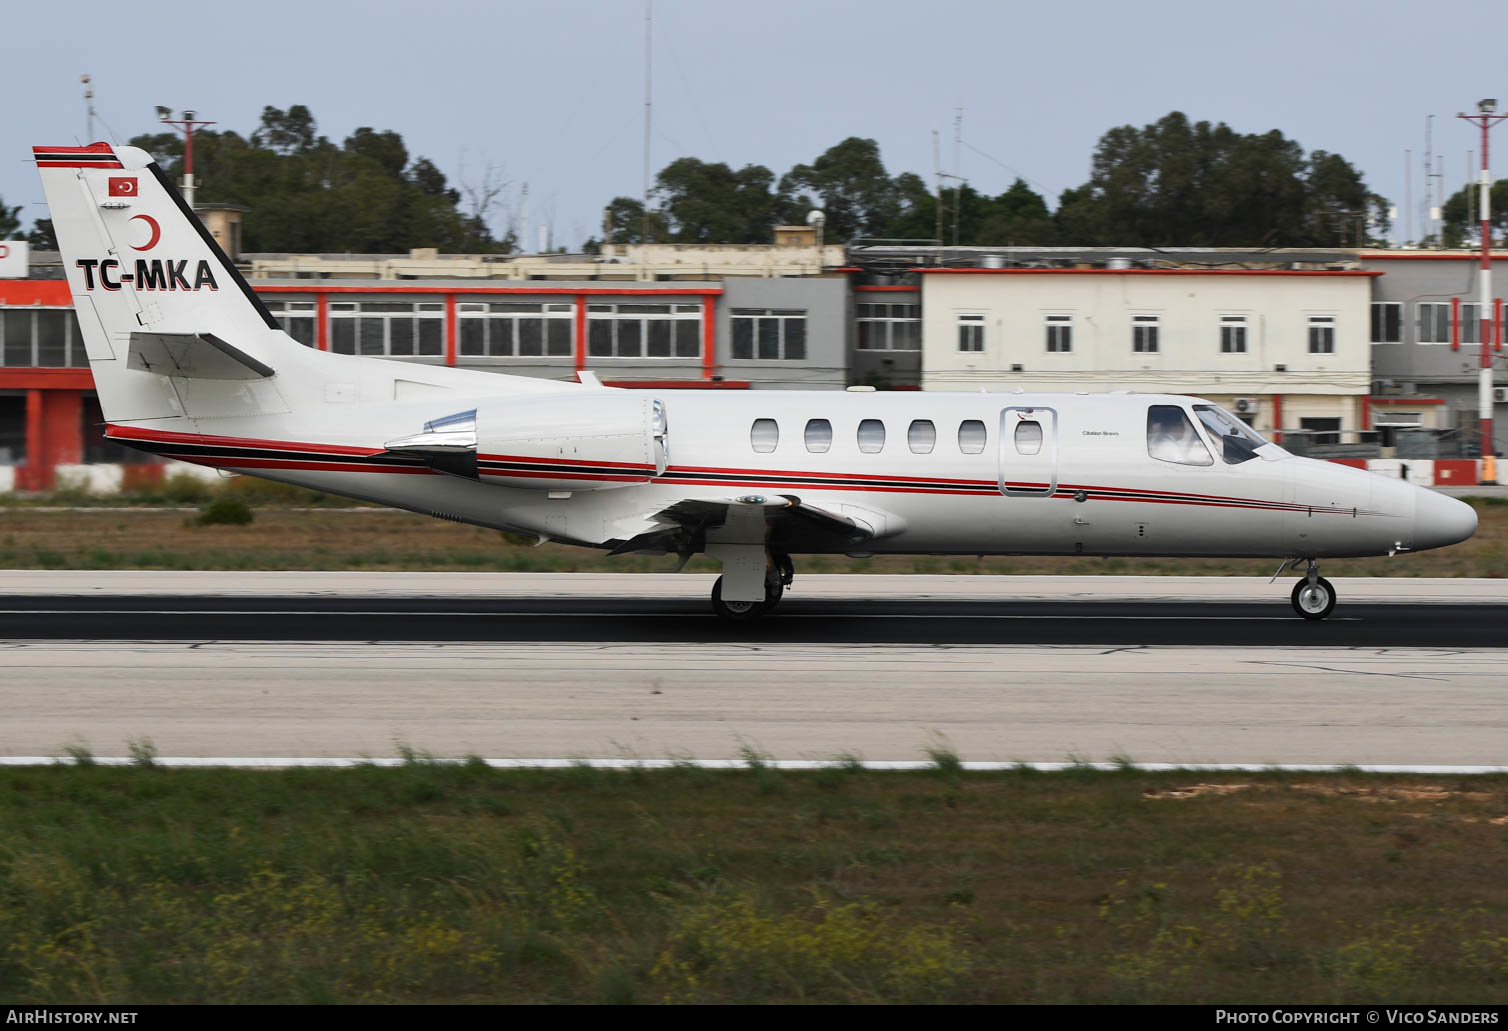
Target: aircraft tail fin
<point>156,297</point>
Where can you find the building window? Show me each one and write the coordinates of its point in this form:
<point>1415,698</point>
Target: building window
<point>1322,334</point>
<point>643,330</point>
<point>970,332</point>
<point>46,338</point>
<point>510,329</point>
<point>1144,333</point>
<point>764,435</point>
<point>1387,322</point>
<point>1471,323</point>
<point>769,334</point>
<point>971,436</point>
<point>889,327</point>
<point>1321,431</point>
<point>1434,322</point>
<point>296,318</point>
<point>1233,334</point>
<point>395,329</point>
<point>1059,333</point>
<point>819,436</point>
<point>871,436</point>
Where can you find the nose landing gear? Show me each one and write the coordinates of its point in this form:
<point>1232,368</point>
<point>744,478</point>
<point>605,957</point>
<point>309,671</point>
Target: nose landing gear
<point>1313,596</point>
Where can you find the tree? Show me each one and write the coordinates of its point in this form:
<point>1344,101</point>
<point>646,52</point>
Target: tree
<point>306,194</point>
<point>711,203</point>
<point>1173,183</point>
<point>626,222</point>
<point>850,185</point>
<point>1461,216</point>
<point>42,236</point>
<point>10,223</point>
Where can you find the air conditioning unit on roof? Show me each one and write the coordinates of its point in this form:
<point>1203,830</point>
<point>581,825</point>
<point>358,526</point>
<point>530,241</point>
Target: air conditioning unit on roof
<point>1246,405</point>
<point>1499,395</point>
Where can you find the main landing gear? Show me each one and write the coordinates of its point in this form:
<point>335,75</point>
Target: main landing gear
<point>1313,596</point>
<point>779,574</point>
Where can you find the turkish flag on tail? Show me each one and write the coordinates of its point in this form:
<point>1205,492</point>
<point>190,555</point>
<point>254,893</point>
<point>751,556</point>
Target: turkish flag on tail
<point>122,186</point>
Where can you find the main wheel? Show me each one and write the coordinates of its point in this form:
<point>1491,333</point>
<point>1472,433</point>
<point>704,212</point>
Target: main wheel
<point>774,590</point>
<point>1313,600</point>
<point>737,611</point>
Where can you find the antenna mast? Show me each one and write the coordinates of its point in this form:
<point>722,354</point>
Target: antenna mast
<point>88,109</point>
<point>649,14</point>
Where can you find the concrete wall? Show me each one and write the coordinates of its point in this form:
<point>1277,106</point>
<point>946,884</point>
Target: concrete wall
<point>825,302</point>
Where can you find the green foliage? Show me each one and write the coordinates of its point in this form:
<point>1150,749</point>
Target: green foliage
<point>1173,183</point>
<point>711,203</point>
<point>849,183</point>
<point>225,511</point>
<point>10,223</point>
<point>308,195</point>
<point>727,950</point>
<point>1461,215</point>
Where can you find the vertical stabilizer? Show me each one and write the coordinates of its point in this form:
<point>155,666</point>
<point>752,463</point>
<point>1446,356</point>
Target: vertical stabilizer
<point>140,262</point>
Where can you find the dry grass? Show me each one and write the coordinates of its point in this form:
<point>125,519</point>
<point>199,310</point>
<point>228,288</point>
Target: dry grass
<point>382,539</point>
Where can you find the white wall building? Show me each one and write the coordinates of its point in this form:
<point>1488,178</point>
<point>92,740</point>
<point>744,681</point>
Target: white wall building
<point>1294,344</point>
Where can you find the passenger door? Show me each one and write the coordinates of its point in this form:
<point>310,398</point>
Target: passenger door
<point>1028,452</point>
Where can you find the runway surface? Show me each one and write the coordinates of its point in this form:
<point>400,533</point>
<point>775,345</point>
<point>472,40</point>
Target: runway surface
<point>997,669</point>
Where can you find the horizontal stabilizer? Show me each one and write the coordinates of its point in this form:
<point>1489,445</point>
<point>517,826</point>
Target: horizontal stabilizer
<point>192,355</point>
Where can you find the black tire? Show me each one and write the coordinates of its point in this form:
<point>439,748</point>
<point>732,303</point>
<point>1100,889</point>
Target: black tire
<point>736,611</point>
<point>774,590</point>
<point>1315,603</point>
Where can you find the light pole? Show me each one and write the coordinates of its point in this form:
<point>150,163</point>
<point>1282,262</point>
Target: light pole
<point>1486,117</point>
<point>186,125</point>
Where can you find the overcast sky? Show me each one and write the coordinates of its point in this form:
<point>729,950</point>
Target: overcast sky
<point>553,92</point>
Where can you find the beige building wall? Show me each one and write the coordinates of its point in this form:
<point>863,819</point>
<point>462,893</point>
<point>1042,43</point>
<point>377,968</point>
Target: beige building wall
<point>1101,309</point>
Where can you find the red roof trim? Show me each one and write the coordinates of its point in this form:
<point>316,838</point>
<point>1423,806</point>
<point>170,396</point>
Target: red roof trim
<point>21,378</point>
<point>51,292</point>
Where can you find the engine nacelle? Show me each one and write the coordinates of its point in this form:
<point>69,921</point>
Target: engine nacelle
<point>579,441</point>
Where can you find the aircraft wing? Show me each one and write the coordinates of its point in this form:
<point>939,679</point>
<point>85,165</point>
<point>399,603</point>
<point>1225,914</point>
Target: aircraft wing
<point>792,525</point>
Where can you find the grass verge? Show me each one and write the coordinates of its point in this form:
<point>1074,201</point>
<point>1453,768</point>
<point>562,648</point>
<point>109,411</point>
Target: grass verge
<point>459,882</point>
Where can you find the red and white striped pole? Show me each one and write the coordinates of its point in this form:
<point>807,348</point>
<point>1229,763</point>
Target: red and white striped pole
<point>186,125</point>
<point>1486,118</point>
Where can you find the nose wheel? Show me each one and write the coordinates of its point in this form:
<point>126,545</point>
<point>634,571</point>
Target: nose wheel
<point>1314,596</point>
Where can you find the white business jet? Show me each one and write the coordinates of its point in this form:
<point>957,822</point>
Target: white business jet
<point>189,364</point>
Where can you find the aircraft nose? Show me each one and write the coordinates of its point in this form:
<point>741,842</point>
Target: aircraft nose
<point>1440,520</point>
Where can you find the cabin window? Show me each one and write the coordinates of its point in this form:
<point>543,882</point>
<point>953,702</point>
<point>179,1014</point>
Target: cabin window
<point>819,435</point>
<point>1028,437</point>
<point>971,436</point>
<point>1171,437</point>
<point>764,435</point>
<point>871,436</point>
<point>921,437</point>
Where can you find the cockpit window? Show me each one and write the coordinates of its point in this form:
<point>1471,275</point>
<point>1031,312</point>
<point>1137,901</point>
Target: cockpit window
<point>1171,437</point>
<point>1237,441</point>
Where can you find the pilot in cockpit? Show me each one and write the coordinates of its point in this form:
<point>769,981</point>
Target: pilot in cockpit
<point>1171,437</point>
